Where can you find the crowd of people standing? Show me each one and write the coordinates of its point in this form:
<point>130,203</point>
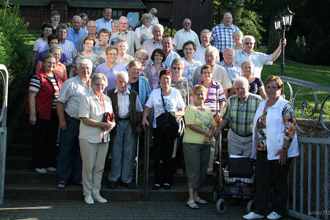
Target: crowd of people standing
<point>100,80</point>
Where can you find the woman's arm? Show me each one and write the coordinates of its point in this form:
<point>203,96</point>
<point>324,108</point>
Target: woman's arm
<point>106,126</point>
<point>32,108</point>
<point>144,117</point>
<point>262,92</point>
<point>197,129</point>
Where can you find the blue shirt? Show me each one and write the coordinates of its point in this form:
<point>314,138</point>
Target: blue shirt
<point>74,37</point>
<point>101,23</point>
<point>43,53</point>
<point>144,89</point>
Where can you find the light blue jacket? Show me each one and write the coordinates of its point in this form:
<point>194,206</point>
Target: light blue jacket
<point>144,90</point>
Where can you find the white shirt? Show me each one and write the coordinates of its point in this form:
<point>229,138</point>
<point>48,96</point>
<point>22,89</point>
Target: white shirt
<point>123,103</point>
<point>173,102</point>
<point>183,36</point>
<point>143,29</point>
<point>200,54</point>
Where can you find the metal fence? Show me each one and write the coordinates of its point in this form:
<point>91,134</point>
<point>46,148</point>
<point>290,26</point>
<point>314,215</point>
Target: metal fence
<point>3,129</point>
<point>309,175</point>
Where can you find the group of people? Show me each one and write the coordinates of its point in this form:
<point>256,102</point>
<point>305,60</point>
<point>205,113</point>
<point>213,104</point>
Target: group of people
<point>99,79</point>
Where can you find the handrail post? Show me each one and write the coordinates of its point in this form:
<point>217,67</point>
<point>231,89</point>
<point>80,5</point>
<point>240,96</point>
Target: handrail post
<point>3,131</point>
<point>146,164</point>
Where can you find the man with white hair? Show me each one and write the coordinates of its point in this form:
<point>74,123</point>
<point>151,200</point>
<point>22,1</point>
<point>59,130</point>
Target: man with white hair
<point>219,73</point>
<point>130,36</point>
<point>183,35</point>
<point>69,166</point>
<point>151,44</point>
<point>127,109</point>
<point>75,32</point>
<point>258,59</point>
<point>91,27</point>
<point>233,70</point>
<point>239,112</point>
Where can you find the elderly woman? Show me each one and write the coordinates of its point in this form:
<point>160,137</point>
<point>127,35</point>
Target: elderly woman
<point>215,100</point>
<point>87,53</point>
<point>196,144</point>
<point>94,137</point>
<point>103,36</point>
<point>40,44</point>
<point>163,141</point>
<point>146,27</point>
<point>59,69</point>
<point>238,39</point>
<point>142,56</point>
<point>256,84</point>
<point>138,83</point>
<point>153,69</point>
<point>155,21</point>
<point>189,48</point>
<point>111,67</point>
<point>44,89</point>
<point>123,57</point>
<point>274,145</point>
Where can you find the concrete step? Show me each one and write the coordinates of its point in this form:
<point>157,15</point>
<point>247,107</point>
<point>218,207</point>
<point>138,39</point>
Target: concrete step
<point>19,150</point>
<point>74,192</point>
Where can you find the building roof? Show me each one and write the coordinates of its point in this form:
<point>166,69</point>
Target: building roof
<point>136,4</point>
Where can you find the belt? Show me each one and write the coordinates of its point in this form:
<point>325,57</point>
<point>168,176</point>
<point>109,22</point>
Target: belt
<point>123,119</point>
<point>71,117</point>
<point>242,135</point>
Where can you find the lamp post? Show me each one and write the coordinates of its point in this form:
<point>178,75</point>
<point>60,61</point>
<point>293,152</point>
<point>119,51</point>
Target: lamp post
<point>282,23</point>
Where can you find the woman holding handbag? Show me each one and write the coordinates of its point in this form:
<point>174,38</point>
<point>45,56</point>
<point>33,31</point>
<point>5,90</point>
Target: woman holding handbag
<point>167,103</point>
<point>96,115</point>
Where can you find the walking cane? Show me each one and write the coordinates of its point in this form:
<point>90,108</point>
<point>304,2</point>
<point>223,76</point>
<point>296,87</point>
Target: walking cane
<point>137,161</point>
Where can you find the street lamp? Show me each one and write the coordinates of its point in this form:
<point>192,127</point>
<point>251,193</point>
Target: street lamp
<point>283,22</point>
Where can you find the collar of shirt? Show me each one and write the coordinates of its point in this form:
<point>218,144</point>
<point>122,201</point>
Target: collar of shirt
<point>223,64</point>
<point>245,100</point>
<point>126,92</point>
<point>222,25</point>
<point>243,52</point>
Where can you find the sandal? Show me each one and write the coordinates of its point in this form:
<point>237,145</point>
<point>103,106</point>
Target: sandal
<point>61,185</point>
<point>191,204</point>
<point>200,201</point>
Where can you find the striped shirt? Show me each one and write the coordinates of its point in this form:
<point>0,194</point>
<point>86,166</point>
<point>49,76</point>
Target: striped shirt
<point>214,92</point>
<point>69,50</point>
<point>222,36</point>
<point>70,94</point>
<point>233,70</point>
<point>240,116</point>
<point>35,85</point>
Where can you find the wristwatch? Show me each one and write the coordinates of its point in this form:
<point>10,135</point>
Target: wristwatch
<point>284,148</point>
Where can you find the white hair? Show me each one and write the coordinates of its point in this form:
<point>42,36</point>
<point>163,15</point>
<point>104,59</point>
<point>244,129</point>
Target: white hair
<point>85,61</point>
<point>241,79</point>
<point>160,27</point>
<point>122,74</point>
<point>213,50</point>
<point>253,40</point>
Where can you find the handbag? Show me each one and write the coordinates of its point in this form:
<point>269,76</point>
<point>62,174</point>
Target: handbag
<point>108,117</point>
<point>166,123</point>
<point>240,167</point>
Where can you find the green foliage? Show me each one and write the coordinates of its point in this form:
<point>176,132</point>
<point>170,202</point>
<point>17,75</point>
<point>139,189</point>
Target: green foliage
<point>14,52</point>
<point>169,31</point>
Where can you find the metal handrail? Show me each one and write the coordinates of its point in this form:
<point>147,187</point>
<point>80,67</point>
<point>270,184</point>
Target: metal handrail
<point>3,130</point>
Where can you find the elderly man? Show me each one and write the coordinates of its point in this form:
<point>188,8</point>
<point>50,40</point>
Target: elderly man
<point>75,32</point>
<point>257,58</point>
<point>219,73</point>
<point>129,36</point>
<point>68,47</point>
<point>167,44</point>
<point>151,44</point>
<point>239,112</point>
<point>205,38</point>
<point>233,70</point>
<point>91,27</point>
<point>105,22</point>
<point>52,41</point>
<point>222,34</point>
<point>127,109</point>
<point>69,161</point>
<point>184,35</point>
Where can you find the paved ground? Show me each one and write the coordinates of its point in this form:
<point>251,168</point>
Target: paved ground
<point>128,210</point>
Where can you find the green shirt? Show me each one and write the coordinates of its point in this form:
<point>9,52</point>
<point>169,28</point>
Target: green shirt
<point>240,116</point>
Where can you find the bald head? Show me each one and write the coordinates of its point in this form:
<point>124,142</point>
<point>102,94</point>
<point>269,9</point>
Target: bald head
<point>227,19</point>
<point>186,24</point>
<point>76,22</point>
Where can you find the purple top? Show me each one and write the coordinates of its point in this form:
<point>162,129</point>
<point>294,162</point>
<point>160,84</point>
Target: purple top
<point>110,73</point>
<point>43,53</point>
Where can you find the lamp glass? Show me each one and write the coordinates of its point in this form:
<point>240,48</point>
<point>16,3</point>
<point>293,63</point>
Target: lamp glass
<point>278,22</point>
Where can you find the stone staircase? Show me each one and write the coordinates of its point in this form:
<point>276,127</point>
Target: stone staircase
<point>21,182</point>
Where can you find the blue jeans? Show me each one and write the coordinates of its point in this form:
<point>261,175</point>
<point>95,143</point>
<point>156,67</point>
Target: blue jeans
<point>69,161</point>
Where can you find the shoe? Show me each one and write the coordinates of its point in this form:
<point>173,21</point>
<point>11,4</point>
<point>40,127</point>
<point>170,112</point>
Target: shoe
<point>89,200</point>
<point>167,186</point>
<point>252,215</point>
<point>179,171</point>
<point>112,185</point>
<point>61,185</point>
<point>40,170</point>
<point>191,204</point>
<point>200,201</point>
<point>156,187</point>
<point>274,215</point>
<point>51,169</point>
<point>129,185</point>
<point>234,201</point>
<point>100,199</point>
